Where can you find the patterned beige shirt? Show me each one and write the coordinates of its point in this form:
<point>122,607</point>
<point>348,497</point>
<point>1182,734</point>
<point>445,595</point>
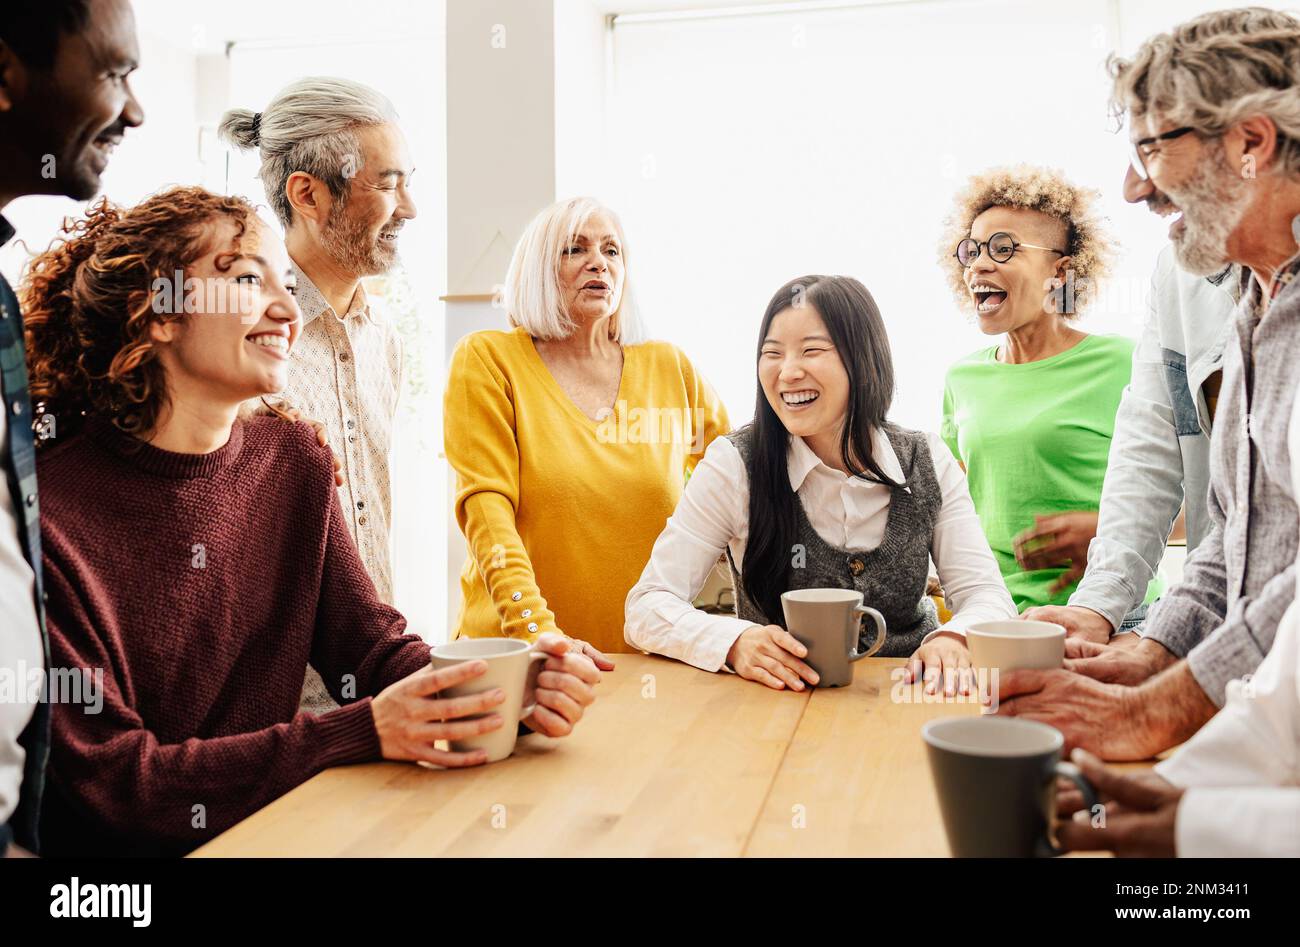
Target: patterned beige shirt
<point>347,374</point>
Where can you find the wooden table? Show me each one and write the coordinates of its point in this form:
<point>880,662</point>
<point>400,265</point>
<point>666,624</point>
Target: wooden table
<point>670,760</point>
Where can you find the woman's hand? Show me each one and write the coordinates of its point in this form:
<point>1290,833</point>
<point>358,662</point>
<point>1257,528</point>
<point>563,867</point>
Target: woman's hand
<point>578,646</point>
<point>409,719</point>
<point>771,655</point>
<point>943,659</point>
<point>1060,540</point>
<point>565,686</point>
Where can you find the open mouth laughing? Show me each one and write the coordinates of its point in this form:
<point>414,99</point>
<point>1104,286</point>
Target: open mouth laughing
<point>800,399</point>
<point>989,297</point>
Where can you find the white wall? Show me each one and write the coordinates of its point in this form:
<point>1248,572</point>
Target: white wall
<point>750,149</point>
<point>197,59</point>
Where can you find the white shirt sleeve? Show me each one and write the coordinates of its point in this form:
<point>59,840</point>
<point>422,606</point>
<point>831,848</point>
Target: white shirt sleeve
<point>1238,822</point>
<point>660,616</point>
<point>1242,769</point>
<point>972,583</point>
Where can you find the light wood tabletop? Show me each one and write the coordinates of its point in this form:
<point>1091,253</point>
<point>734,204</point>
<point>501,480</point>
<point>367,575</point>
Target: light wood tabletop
<point>669,761</point>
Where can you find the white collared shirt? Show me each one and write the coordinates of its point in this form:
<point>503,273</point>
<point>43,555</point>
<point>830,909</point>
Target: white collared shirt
<point>346,372</point>
<point>1241,771</point>
<point>847,512</point>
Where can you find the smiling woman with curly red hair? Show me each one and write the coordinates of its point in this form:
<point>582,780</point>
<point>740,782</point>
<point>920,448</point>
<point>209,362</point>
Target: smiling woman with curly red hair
<point>95,299</point>
<point>196,561</point>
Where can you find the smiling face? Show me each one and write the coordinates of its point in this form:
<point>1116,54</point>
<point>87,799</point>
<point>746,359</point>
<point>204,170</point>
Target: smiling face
<point>1011,295</point>
<point>75,113</point>
<point>242,320</point>
<point>1190,179</point>
<point>803,377</point>
<point>592,271</point>
<point>361,231</point>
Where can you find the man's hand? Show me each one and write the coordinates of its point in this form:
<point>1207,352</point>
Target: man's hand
<point>409,719</point>
<point>565,687</point>
<point>1102,718</point>
<point>283,409</point>
<point>1115,664</point>
<point>1078,622</point>
<point>771,655</point>
<point>1059,540</point>
<point>944,659</point>
<point>1140,816</point>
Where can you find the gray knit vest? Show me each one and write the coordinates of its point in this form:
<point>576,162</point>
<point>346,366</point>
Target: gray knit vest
<point>891,577</point>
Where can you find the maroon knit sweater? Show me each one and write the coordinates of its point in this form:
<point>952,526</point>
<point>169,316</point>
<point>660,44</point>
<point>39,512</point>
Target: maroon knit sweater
<point>202,584</point>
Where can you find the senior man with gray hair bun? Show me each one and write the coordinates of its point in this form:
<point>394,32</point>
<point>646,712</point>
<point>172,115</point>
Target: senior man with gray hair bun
<point>336,169</point>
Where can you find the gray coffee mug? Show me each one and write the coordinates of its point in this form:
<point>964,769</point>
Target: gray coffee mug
<point>996,782</point>
<point>826,622</point>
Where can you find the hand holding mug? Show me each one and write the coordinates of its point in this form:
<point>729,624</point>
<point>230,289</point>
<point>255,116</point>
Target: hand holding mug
<point>408,721</point>
<point>1141,812</point>
<point>771,655</point>
<point>565,686</point>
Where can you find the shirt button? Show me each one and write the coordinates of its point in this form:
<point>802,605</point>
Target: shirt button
<point>18,407</point>
<point>516,597</point>
<point>532,626</point>
<point>361,504</point>
<point>351,425</point>
<point>352,439</point>
<point>856,565</point>
<point>361,520</point>
<point>31,499</point>
<point>4,312</point>
<point>343,356</point>
<point>527,612</point>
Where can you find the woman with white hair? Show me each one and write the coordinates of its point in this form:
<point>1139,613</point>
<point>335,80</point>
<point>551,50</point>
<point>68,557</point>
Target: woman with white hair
<point>571,438</point>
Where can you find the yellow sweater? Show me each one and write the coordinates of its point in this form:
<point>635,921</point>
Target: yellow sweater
<point>559,511</point>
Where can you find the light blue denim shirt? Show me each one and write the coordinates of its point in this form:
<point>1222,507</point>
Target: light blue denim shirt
<point>1160,453</point>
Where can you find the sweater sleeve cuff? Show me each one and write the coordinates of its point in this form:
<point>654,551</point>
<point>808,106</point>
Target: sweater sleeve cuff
<point>348,735</point>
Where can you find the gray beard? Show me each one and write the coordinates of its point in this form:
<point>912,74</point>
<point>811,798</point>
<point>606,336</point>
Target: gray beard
<point>350,246</point>
<point>1212,208</point>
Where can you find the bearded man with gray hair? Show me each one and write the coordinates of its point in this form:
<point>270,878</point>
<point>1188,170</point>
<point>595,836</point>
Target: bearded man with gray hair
<point>336,169</point>
<point>1214,116</point>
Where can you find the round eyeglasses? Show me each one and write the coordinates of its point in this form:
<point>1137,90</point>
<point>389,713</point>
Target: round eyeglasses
<point>1001,247</point>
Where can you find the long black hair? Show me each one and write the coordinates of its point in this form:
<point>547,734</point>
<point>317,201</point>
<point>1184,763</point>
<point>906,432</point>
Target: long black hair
<point>858,333</point>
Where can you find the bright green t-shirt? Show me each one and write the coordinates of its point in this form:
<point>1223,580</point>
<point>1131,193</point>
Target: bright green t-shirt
<point>1034,438</point>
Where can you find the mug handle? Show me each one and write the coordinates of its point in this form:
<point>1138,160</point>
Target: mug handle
<point>879,619</point>
<point>535,661</point>
<point>1074,775</point>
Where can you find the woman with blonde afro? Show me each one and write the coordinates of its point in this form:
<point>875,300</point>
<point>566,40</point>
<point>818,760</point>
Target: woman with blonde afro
<point>1031,417</point>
